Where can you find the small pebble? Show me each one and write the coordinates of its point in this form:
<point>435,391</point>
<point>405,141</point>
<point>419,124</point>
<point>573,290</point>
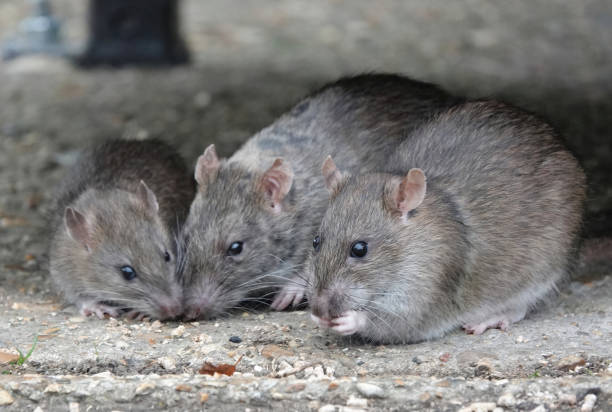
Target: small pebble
<point>357,402</point>
<point>507,399</point>
<point>178,331</point>
<point>73,407</point>
<point>5,398</point>
<point>539,408</point>
<point>369,390</point>
<point>327,408</point>
<point>479,407</point>
<point>235,339</point>
<point>589,403</point>
<point>167,363</point>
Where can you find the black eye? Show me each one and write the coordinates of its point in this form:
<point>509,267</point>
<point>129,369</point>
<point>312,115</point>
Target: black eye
<point>316,243</point>
<point>359,249</point>
<point>167,257</point>
<point>128,273</point>
<point>235,249</point>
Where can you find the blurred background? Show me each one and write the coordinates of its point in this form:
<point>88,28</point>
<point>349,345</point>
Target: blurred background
<point>251,59</point>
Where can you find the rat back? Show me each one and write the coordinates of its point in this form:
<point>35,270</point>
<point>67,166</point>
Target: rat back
<point>122,164</point>
<point>517,195</point>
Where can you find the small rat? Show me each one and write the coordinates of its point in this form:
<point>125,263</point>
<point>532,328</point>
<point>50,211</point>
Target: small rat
<point>476,220</point>
<point>249,227</point>
<point>115,221</point>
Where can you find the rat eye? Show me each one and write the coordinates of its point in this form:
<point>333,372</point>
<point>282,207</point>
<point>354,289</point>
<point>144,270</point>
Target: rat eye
<point>167,256</point>
<point>359,249</point>
<point>235,249</point>
<point>128,273</point>
<point>316,243</point>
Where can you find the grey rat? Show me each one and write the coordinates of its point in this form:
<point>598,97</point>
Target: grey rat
<point>249,227</point>
<point>476,221</point>
<point>115,220</point>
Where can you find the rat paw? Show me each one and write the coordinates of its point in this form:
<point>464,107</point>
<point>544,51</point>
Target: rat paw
<point>101,310</point>
<point>321,322</point>
<point>289,294</point>
<point>349,322</point>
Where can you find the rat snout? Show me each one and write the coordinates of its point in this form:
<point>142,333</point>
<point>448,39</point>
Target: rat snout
<point>198,308</point>
<point>170,310</point>
<point>328,304</point>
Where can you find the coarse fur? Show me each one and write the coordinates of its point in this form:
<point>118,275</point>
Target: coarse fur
<point>274,208</point>
<point>497,228</point>
<point>121,205</point>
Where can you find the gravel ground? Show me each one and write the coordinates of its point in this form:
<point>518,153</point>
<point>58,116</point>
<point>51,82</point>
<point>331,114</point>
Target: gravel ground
<point>251,60</point>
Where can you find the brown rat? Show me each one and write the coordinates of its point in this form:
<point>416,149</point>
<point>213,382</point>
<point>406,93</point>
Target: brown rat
<point>118,210</point>
<point>476,221</point>
<point>249,227</point>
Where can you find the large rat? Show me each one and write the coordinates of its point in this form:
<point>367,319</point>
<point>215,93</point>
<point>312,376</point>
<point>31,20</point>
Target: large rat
<point>252,219</point>
<point>115,222</point>
<point>477,219</point>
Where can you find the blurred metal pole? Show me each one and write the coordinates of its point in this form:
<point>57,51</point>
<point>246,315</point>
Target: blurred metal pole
<point>39,33</point>
<point>134,32</point>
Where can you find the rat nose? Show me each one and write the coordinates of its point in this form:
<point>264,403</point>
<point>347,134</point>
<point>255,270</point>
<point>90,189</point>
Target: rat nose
<point>170,310</point>
<point>328,304</point>
<point>320,306</point>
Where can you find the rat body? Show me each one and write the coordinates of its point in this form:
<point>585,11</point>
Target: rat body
<point>116,217</point>
<point>475,237</point>
<point>255,213</point>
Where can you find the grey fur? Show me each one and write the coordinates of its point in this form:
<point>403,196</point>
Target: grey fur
<point>359,120</point>
<point>125,229</point>
<point>497,230</point>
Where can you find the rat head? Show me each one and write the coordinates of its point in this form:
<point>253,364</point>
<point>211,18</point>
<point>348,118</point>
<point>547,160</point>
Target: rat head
<point>236,234</point>
<point>122,253</point>
<point>371,257</point>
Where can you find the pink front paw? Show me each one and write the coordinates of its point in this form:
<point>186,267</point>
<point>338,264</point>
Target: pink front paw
<point>100,310</point>
<point>349,322</point>
<point>290,294</point>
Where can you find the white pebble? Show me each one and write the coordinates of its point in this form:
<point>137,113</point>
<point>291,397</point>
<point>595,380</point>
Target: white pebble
<point>589,403</point>
<point>167,363</point>
<point>178,332</point>
<point>357,402</point>
<point>369,390</point>
<point>327,408</point>
<point>507,399</point>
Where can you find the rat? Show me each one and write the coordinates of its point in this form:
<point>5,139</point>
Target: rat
<point>473,221</point>
<point>117,213</point>
<point>250,224</point>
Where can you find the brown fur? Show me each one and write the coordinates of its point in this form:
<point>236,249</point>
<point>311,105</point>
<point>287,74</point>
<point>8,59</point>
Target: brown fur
<point>496,230</point>
<point>360,121</point>
<point>108,217</point>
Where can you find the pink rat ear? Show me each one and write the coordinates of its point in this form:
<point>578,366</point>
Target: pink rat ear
<point>207,166</point>
<point>77,227</point>
<point>147,197</point>
<point>276,183</point>
<point>409,194</point>
<point>332,175</point>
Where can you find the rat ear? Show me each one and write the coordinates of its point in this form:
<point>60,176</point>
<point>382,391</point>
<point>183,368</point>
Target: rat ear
<point>276,183</point>
<point>147,197</point>
<point>77,226</point>
<point>409,194</point>
<point>207,166</point>
<point>332,175</point>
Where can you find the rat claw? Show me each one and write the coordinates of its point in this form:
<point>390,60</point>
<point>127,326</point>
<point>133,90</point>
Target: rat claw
<point>287,295</point>
<point>297,299</point>
<point>100,310</point>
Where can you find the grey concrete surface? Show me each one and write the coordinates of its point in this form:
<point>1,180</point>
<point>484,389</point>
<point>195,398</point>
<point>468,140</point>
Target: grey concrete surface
<point>252,59</point>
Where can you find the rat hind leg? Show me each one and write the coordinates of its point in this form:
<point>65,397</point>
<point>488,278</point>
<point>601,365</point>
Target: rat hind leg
<point>501,321</point>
